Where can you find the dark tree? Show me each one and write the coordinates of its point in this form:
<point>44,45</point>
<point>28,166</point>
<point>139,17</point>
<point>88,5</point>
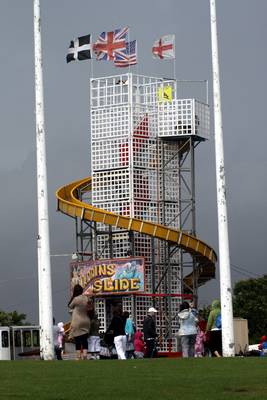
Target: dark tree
<point>12,318</point>
<point>250,302</point>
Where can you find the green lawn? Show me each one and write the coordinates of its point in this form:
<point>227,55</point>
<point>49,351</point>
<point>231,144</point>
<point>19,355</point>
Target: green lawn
<point>166,379</point>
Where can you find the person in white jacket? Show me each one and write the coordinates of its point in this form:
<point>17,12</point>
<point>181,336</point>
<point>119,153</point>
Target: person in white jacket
<point>188,329</point>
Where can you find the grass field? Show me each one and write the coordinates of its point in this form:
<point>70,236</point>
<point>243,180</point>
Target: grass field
<point>166,379</point>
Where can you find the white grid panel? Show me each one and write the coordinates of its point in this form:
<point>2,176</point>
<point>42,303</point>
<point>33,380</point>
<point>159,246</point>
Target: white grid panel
<point>175,304</point>
<point>147,211</point>
<point>175,118</point>
<point>171,185</point>
<point>175,278</point>
<point>113,90</point>
<point>110,153</point>
<point>142,246</point>
<point>171,214</point>
<point>146,153</point>
<point>109,91</point>
<point>176,285</point>
<point>145,184</point>
<point>171,156</point>
<point>111,186</point>
<point>146,89</point>
<point>120,245</point>
<point>175,257</point>
<point>127,304</point>
<point>145,121</point>
<point>118,207</point>
<point>110,122</point>
<point>103,246</point>
<point>202,124</point>
<point>142,304</point>
<point>100,309</point>
<point>183,117</point>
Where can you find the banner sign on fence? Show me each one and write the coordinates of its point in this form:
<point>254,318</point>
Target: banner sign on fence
<point>114,276</point>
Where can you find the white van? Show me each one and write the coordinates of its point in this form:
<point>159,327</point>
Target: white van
<point>5,353</point>
<point>25,342</point>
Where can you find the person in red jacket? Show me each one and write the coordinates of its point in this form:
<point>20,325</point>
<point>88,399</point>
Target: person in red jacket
<point>139,345</point>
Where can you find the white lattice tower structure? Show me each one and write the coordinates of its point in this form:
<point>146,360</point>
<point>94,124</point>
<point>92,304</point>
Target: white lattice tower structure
<point>135,172</point>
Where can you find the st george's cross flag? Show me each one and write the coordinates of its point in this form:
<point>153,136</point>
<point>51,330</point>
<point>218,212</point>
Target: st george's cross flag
<point>109,43</point>
<point>126,57</point>
<point>80,49</point>
<point>163,48</point>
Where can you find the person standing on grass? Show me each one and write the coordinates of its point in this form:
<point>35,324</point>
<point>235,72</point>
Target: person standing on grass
<point>139,345</point>
<point>188,330</point>
<point>263,346</point>
<point>94,337</point>
<point>79,305</point>
<point>214,329</point>
<point>58,334</point>
<point>117,329</point>
<point>199,344</point>
<point>129,331</point>
<point>150,334</point>
<point>60,338</point>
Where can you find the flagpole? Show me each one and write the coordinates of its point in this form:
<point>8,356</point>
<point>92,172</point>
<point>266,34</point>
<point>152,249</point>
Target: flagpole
<point>137,61</point>
<point>225,272</point>
<point>174,60</point>
<point>129,41</point>
<point>43,246</point>
<point>92,58</point>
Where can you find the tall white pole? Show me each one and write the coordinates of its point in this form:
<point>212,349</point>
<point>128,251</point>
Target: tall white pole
<point>43,246</point>
<point>224,256</point>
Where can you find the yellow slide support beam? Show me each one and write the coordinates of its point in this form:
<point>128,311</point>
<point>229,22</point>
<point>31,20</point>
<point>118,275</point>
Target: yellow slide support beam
<point>69,204</point>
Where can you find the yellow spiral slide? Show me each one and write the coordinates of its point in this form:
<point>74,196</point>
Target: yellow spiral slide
<point>69,204</point>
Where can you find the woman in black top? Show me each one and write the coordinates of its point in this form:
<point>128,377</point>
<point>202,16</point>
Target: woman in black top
<point>117,329</point>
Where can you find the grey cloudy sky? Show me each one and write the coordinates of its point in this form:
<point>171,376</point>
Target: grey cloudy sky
<point>242,31</point>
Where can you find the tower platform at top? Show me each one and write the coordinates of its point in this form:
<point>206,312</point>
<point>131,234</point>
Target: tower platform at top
<point>174,117</point>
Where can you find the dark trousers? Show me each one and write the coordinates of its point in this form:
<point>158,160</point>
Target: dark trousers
<point>151,349</point>
<point>58,353</point>
<point>215,341</point>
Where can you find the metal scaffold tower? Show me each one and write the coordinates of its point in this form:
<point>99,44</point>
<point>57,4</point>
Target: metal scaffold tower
<point>143,140</point>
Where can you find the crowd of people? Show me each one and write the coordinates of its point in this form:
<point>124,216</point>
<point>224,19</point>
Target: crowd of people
<point>196,335</point>
<point>121,333</point>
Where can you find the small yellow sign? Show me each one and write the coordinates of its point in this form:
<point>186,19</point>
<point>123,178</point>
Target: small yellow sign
<point>165,94</point>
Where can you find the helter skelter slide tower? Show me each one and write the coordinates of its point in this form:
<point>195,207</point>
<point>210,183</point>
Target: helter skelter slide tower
<point>140,200</point>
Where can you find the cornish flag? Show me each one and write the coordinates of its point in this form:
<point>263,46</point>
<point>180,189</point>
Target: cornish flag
<point>163,48</point>
<point>80,49</point>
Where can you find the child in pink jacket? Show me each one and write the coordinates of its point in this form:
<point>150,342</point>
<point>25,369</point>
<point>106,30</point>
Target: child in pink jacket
<point>199,344</point>
<point>139,346</point>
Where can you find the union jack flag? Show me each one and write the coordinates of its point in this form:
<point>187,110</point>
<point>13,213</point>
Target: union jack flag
<point>109,43</point>
<point>124,58</point>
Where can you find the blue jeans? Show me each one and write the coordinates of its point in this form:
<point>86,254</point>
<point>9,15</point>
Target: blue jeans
<point>188,345</point>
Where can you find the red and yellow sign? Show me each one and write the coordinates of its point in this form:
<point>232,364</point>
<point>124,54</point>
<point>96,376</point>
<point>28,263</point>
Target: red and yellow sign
<point>114,276</point>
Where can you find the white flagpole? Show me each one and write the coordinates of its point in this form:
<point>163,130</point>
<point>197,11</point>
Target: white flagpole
<point>92,59</point>
<point>174,60</point>
<point>224,256</point>
<point>43,247</point>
